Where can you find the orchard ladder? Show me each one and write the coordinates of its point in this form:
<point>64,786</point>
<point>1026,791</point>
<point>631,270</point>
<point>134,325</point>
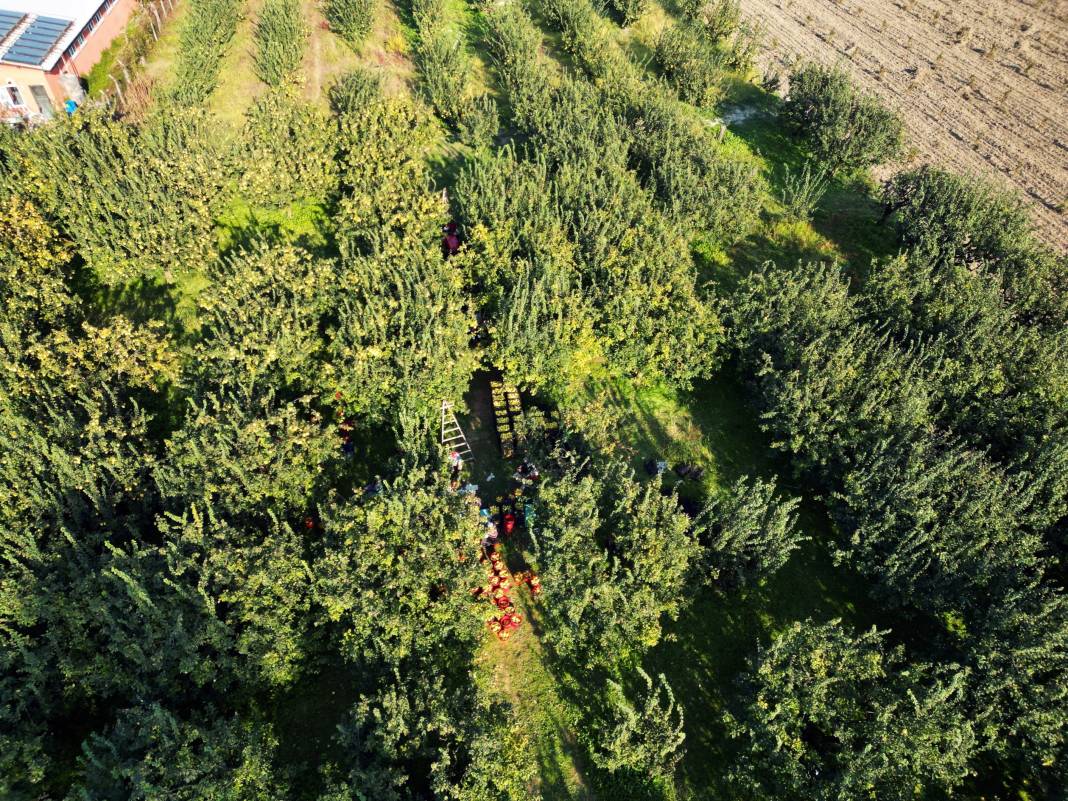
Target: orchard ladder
<point>452,436</point>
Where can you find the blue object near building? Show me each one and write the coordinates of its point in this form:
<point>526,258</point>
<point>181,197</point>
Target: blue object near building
<point>71,106</point>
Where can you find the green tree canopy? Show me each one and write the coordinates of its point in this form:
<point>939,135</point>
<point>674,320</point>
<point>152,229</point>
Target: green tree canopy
<point>843,127</point>
<point>827,714</point>
<point>642,738</point>
<point>750,533</point>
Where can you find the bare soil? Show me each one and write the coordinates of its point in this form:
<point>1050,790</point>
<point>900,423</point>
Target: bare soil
<point>983,84</point>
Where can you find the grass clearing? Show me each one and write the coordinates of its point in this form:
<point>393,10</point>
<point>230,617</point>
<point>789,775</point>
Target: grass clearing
<point>239,85</point>
<point>158,68</point>
<point>326,57</point>
<point>306,223</point>
<point>845,225</point>
<point>517,672</point>
<point>387,50</point>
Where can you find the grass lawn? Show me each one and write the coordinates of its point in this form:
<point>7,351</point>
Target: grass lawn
<point>159,65</point>
<point>516,671</point>
<point>238,85</point>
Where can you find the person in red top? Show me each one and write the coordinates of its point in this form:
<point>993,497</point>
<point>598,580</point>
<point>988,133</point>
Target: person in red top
<point>450,243</point>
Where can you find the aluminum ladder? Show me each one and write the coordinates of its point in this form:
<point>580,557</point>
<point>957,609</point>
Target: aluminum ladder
<point>452,436</point>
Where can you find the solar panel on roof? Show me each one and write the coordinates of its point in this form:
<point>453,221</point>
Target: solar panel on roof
<point>8,21</point>
<point>37,40</point>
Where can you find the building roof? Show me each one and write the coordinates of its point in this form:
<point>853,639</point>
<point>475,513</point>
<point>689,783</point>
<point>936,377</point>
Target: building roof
<point>34,33</point>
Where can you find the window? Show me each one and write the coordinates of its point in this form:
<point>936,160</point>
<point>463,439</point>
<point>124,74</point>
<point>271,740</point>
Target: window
<point>14,95</point>
<point>79,40</point>
<point>76,45</point>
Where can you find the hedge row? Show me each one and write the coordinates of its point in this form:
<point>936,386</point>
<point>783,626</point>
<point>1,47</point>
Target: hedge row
<point>281,34</point>
<point>209,27</point>
<point>676,155</point>
<point>446,74</point>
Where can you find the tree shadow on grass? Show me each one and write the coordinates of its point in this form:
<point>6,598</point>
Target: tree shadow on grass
<point>851,217</point>
<point>583,691</point>
<point>143,300</point>
<point>705,651</point>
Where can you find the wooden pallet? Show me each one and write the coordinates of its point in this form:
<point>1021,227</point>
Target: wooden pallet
<point>507,411</point>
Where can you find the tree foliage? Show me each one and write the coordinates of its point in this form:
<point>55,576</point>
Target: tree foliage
<point>447,79</point>
<point>151,752</point>
<point>281,35</point>
<point>750,533</point>
<point>629,11</point>
<point>842,127</point>
<point>954,220</point>
<point>400,343</point>
<point>1020,665</point>
<point>801,193</point>
<point>614,558</point>
<point>290,151</point>
<point>642,737</point>
<point>908,426</point>
<point>693,68</point>
<point>675,158</point>
<point>829,714</point>
<point>351,19</point>
<point>205,36</point>
<point>385,179</point>
<point>194,553</point>
<point>592,229</point>
<point>134,200</point>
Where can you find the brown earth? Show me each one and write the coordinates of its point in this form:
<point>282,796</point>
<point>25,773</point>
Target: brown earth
<point>983,84</point>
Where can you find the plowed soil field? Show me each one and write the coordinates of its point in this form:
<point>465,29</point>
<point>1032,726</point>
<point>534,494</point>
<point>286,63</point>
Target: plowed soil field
<point>983,84</point>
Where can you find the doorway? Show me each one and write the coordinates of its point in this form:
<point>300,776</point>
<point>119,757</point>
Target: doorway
<point>40,95</point>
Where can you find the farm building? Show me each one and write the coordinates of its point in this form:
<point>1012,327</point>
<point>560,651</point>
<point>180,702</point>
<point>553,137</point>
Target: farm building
<point>47,45</point>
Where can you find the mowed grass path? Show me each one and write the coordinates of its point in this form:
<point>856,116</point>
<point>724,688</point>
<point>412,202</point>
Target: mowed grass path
<point>238,86</point>
<point>517,671</point>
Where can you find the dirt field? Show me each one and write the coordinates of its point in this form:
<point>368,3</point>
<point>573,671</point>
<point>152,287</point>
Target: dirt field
<point>983,84</point>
